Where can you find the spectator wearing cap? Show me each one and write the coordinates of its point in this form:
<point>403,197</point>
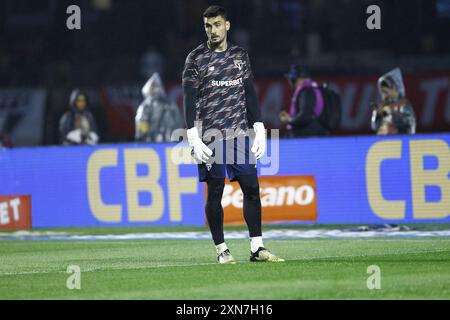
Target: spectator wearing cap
<point>307,104</point>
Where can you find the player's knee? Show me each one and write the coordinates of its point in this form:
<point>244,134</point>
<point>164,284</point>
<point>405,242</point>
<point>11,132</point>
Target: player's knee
<point>215,188</point>
<point>251,193</point>
<point>250,187</point>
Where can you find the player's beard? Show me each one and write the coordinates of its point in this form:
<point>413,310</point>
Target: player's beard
<point>217,43</point>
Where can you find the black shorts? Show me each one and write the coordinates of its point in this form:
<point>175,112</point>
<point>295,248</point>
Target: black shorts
<point>236,160</point>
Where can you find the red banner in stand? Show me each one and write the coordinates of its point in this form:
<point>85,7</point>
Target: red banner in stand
<point>428,93</point>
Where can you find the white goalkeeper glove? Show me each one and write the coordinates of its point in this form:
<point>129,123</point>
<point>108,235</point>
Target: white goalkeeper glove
<point>199,150</point>
<point>259,145</point>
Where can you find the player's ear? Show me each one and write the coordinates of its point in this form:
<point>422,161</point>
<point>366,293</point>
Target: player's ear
<point>227,25</point>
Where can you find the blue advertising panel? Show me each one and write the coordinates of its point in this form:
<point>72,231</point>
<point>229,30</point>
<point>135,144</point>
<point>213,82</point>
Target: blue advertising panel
<point>103,186</point>
<point>399,179</point>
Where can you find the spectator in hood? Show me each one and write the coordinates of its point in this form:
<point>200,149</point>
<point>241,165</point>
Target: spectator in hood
<point>395,114</point>
<point>77,126</point>
<point>306,105</point>
<point>157,117</point>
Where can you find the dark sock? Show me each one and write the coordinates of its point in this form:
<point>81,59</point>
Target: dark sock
<point>252,204</point>
<point>214,210</point>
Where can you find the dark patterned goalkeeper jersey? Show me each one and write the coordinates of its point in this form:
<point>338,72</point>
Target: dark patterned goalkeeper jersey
<point>219,78</point>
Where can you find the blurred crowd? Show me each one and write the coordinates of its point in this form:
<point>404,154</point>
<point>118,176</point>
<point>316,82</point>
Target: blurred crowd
<point>140,41</point>
<point>315,110</point>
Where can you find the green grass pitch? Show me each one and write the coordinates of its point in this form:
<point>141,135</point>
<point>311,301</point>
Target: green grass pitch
<point>411,268</point>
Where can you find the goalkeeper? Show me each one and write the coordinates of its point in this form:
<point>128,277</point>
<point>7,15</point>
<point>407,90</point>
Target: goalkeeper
<point>220,101</point>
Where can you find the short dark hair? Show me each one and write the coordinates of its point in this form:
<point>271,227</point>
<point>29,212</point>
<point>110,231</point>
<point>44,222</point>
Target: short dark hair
<point>215,11</point>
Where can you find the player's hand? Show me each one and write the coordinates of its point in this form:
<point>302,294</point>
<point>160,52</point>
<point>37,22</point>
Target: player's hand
<point>200,151</point>
<point>259,145</point>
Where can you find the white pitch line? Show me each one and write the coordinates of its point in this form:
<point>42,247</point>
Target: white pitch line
<point>107,269</point>
<point>205,235</point>
<point>212,263</point>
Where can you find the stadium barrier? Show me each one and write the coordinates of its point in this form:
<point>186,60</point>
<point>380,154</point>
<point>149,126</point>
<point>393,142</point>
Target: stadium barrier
<point>365,179</point>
